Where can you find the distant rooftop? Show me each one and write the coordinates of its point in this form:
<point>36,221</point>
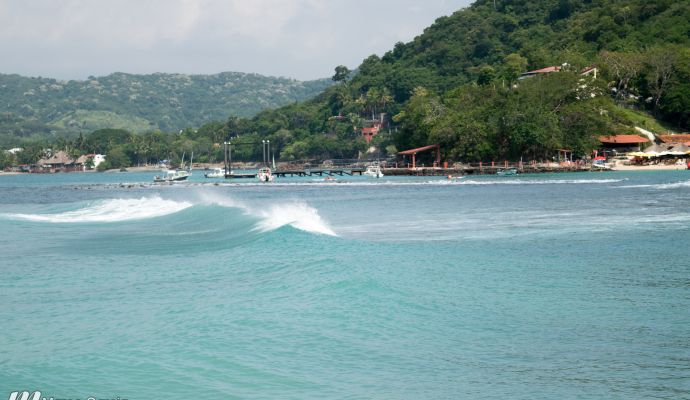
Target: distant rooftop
<point>675,138</point>
<point>546,70</point>
<point>623,139</point>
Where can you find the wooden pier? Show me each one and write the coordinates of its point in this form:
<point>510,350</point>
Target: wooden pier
<point>319,172</point>
<point>486,169</point>
<point>239,176</point>
<point>465,169</point>
<point>303,173</point>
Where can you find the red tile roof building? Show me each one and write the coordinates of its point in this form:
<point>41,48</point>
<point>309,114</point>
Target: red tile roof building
<point>675,138</point>
<point>622,139</point>
<point>546,70</point>
<point>370,132</point>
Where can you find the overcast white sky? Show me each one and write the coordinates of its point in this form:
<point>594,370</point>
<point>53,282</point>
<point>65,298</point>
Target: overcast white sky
<point>303,39</point>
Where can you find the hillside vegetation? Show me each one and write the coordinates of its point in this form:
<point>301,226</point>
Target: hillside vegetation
<point>457,84</point>
<point>168,102</point>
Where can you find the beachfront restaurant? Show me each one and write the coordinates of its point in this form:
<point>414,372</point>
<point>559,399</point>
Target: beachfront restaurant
<point>620,144</point>
<point>59,161</point>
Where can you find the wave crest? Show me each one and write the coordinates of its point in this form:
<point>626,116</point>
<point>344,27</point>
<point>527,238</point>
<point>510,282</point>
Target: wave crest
<point>112,210</point>
<point>298,215</point>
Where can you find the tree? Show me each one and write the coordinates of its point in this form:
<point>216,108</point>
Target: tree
<point>624,67</point>
<point>89,163</point>
<point>117,158</point>
<point>341,74</point>
<point>661,62</point>
<point>6,159</point>
<point>513,65</point>
<point>417,118</point>
<point>486,75</point>
<point>102,140</point>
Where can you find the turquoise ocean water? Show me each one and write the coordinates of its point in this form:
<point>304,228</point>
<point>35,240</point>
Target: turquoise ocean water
<point>528,287</point>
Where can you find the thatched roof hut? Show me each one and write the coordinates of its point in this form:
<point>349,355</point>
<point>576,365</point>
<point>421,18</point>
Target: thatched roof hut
<point>57,160</point>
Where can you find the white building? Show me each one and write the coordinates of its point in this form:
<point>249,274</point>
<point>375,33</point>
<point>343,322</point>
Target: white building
<point>97,159</point>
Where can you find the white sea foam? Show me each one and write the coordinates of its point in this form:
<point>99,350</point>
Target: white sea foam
<point>112,210</point>
<point>540,181</point>
<point>662,186</point>
<point>676,185</point>
<point>214,198</point>
<point>298,215</point>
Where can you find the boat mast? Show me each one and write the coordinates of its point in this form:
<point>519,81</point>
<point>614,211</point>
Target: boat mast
<point>225,158</point>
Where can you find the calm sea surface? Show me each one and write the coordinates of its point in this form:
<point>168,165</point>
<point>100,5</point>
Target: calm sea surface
<point>529,287</point>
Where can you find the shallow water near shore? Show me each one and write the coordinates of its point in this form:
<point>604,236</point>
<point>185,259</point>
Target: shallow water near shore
<point>529,286</point>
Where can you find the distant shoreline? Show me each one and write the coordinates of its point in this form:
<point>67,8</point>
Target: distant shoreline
<point>622,168</point>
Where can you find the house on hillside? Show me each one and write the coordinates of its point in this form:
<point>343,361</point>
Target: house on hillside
<point>675,138</point>
<point>373,127</point>
<point>547,70</point>
<point>370,132</point>
<point>589,71</point>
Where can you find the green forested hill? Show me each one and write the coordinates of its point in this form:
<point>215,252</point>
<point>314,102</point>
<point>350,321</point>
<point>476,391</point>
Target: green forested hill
<point>543,33</point>
<point>32,106</point>
<point>457,83</point>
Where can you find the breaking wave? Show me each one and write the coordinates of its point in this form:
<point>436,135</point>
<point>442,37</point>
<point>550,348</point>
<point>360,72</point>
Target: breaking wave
<point>112,210</point>
<point>298,215</point>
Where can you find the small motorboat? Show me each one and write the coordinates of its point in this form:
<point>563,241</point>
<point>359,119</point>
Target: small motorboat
<point>172,175</point>
<point>507,172</point>
<point>216,173</point>
<point>265,175</point>
<point>374,171</point>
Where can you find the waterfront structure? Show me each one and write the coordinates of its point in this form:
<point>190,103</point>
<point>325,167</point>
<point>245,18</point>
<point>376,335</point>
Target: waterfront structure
<point>413,153</point>
<point>82,160</point>
<point>622,143</point>
<point>58,161</point>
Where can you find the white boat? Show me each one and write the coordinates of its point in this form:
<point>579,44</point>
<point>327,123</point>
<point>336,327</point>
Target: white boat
<point>172,175</point>
<point>507,172</point>
<point>601,166</point>
<point>216,173</point>
<point>374,171</point>
<point>176,175</point>
<point>265,175</point>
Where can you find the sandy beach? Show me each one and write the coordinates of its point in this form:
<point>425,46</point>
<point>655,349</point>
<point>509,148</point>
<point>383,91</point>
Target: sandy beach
<point>649,167</point>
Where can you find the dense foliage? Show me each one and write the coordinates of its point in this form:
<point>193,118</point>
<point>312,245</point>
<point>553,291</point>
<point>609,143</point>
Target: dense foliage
<point>457,85</point>
<point>37,107</point>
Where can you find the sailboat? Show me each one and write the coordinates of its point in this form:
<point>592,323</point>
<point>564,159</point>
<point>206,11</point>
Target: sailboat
<point>175,175</point>
<point>217,173</point>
